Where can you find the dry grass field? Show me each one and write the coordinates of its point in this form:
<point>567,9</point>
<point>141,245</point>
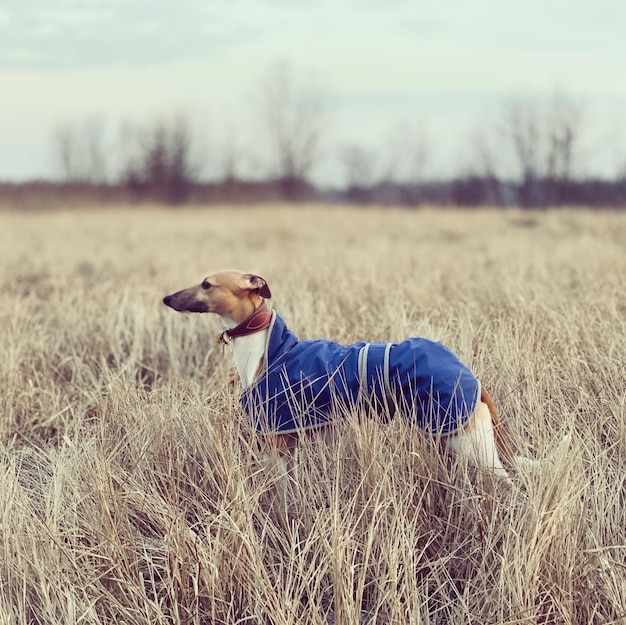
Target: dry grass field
<point>133,491</point>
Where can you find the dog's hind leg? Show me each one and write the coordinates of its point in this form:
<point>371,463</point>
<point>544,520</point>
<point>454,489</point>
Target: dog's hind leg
<point>477,443</point>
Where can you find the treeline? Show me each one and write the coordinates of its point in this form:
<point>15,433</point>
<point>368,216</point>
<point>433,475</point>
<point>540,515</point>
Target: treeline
<point>532,155</point>
<point>470,192</point>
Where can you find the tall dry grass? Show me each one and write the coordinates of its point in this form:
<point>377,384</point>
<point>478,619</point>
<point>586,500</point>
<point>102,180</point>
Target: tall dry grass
<point>134,492</point>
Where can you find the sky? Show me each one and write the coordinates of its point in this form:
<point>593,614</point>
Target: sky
<point>444,70</point>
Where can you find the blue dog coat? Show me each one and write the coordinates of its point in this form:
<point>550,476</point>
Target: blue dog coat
<point>307,384</point>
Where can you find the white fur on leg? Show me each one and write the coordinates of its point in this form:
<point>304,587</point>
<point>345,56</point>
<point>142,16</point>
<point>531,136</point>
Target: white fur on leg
<point>477,443</point>
<point>282,468</point>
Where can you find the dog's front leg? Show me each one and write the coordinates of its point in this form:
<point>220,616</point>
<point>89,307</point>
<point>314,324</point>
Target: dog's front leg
<point>281,461</point>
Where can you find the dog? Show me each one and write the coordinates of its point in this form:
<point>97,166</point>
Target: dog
<point>292,387</point>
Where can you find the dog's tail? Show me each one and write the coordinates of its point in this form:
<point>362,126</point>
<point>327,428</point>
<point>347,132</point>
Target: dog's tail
<point>504,444</point>
<point>502,440</point>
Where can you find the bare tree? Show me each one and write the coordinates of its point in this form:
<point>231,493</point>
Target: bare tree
<point>409,155</point>
<point>293,116</point>
<point>231,157</point>
<point>360,165</point>
<point>80,152</point>
<point>95,150</point>
<point>161,162</point>
<point>67,152</point>
<point>481,181</point>
<point>564,132</point>
<point>544,142</point>
<point>523,127</point>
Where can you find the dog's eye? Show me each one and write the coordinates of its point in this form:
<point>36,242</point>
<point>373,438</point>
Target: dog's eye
<point>206,285</point>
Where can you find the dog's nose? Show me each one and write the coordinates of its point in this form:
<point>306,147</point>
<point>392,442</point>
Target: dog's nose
<point>167,299</point>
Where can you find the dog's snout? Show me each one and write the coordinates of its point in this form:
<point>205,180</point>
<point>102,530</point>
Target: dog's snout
<point>186,301</point>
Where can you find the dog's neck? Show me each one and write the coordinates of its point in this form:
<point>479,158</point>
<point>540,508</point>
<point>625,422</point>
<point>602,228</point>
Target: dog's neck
<point>248,352</point>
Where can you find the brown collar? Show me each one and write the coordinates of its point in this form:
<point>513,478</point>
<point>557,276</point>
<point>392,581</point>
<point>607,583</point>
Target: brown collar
<point>257,321</point>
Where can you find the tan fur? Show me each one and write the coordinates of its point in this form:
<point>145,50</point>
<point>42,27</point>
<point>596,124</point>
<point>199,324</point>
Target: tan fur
<point>502,440</point>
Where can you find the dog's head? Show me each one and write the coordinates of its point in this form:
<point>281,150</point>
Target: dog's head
<point>231,294</point>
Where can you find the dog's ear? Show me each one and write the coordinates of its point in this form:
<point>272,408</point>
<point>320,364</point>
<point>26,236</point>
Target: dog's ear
<point>256,283</point>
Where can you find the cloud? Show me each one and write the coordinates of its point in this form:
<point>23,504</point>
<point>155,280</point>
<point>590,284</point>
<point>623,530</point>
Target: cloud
<point>71,34</point>
<point>74,34</point>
